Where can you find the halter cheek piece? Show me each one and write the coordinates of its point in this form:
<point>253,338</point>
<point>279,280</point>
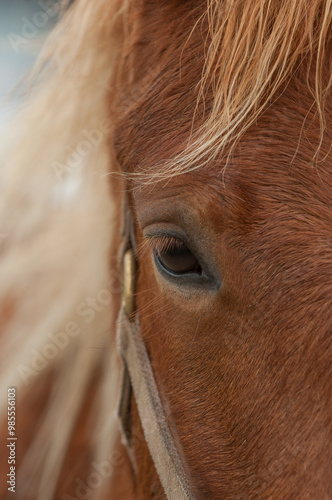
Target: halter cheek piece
<point>138,378</point>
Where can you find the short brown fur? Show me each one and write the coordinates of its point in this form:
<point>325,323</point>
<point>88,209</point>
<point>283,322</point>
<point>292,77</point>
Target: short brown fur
<point>222,124</point>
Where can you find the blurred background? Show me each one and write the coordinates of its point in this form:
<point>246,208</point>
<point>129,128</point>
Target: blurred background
<point>24,25</point>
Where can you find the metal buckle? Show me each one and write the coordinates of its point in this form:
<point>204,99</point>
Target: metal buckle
<point>128,289</point>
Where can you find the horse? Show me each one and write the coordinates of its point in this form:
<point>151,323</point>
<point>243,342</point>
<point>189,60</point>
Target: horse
<point>166,271</point>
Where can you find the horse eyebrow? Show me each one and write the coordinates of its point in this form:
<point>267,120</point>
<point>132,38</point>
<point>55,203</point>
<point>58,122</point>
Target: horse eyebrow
<point>163,211</point>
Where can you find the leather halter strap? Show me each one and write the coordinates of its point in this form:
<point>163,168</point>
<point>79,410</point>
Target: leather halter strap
<point>138,377</point>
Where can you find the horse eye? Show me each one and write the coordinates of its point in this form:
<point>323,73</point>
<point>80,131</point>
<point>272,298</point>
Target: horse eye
<point>177,259</point>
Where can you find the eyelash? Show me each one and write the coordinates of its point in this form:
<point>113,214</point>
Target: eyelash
<point>173,256</point>
<point>161,244</point>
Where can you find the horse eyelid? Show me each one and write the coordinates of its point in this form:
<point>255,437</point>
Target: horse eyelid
<point>162,243</point>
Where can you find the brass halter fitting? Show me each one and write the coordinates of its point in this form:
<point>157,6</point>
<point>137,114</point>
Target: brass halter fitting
<point>128,288</point>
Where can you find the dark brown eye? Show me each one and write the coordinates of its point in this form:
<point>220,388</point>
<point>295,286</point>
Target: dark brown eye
<point>176,258</point>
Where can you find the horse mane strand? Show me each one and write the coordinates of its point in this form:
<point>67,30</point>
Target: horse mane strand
<point>253,49</point>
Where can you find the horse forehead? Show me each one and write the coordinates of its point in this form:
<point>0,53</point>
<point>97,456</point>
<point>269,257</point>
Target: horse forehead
<point>271,164</point>
<point>260,180</point>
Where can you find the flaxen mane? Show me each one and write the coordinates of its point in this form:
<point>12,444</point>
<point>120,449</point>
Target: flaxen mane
<point>58,213</point>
